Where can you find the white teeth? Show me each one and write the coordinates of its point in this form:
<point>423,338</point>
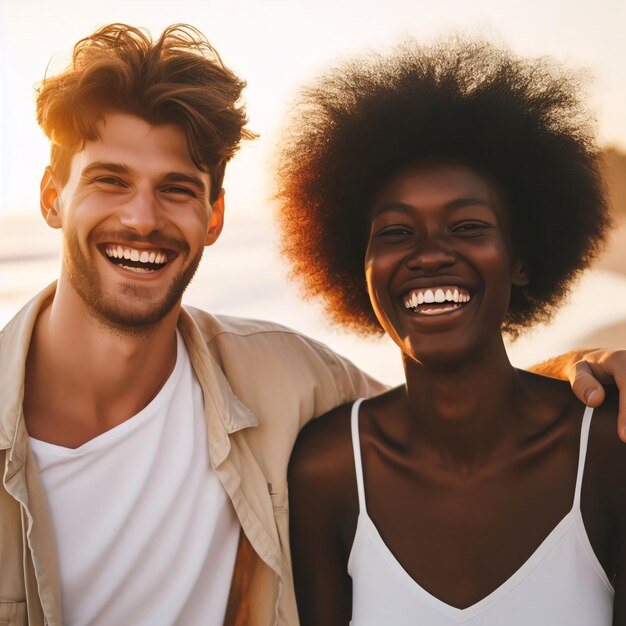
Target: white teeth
<point>140,256</point>
<point>439,295</point>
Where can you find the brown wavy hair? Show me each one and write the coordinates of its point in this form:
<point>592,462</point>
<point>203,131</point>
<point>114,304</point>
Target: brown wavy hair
<point>178,79</point>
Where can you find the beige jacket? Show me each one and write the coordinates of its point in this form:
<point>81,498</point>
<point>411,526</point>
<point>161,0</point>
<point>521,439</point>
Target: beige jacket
<point>261,383</point>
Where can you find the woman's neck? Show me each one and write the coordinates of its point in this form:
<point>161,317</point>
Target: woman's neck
<point>465,413</point>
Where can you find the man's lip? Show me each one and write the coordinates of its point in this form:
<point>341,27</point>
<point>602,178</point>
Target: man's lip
<point>153,274</point>
<point>102,246</point>
<point>167,252</point>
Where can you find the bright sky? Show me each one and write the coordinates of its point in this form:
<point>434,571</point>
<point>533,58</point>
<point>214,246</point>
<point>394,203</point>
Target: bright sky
<point>276,45</point>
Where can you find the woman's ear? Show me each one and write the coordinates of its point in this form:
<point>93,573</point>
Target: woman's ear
<point>49,199</point>
<point>521,273</point>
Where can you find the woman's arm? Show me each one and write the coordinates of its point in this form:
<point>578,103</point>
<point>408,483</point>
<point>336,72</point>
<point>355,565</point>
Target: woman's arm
<point>323,505</point>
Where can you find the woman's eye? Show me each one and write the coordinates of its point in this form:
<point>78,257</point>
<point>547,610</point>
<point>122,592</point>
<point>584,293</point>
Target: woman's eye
<point>394,231</point>
<point>470,228</point>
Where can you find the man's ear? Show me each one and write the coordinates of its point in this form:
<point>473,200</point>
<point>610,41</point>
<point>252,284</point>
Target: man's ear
<point>217,220</point>
<point>521,273</point>
<point>49,199</point>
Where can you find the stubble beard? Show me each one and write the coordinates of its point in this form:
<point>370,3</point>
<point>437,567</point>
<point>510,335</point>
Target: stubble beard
<point>85,280</point>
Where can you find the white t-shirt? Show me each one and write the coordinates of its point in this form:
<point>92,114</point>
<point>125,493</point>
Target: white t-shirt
<point>146,534</point>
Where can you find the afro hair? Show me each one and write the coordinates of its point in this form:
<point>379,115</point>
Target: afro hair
<point>519,122</point>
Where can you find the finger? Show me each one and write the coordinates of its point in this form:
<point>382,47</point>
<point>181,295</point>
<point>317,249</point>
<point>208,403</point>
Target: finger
<point>611,367</point>
<point>585,385</point>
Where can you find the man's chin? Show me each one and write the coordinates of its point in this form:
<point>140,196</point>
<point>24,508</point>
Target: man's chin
<point>126,307</point>
<point>132,320</point>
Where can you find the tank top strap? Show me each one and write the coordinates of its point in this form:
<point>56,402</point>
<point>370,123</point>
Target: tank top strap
<point>356,446</point>
<point>582,455</point>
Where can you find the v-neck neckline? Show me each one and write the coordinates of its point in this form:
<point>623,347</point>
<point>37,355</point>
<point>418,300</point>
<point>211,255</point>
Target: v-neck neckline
<point>462,615</point>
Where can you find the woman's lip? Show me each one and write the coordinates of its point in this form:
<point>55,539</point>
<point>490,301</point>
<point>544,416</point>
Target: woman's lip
<point>443,311</point>
<point>431,318</point>
<point>434,282</point>
<point>442,294</point>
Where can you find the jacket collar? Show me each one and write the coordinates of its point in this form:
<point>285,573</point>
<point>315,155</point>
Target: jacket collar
<point>14,344</point>
<point>225,413</point>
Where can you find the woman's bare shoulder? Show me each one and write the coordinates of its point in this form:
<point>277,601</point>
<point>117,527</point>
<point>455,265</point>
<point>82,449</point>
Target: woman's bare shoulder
<point>606,455</point>
<point>322,457</point>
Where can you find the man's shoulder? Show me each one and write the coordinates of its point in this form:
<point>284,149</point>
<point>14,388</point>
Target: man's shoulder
<point>243,326</point>
<point>272,366</point>
<point>226,331</point>
<point>20,325</point>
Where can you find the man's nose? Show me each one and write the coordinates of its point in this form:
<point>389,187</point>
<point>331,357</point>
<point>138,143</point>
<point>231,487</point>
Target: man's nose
<point>142,213</point>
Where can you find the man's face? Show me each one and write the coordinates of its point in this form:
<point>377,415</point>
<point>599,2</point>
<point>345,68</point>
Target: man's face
<point>136,215</point>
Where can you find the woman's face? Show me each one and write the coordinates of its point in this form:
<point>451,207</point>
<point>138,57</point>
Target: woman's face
<point>439,263</point>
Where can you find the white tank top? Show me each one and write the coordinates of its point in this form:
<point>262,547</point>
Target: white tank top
<point>561,584</point>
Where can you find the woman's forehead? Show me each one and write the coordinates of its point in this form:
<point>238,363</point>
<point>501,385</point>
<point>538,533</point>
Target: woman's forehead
<point>425,185</point>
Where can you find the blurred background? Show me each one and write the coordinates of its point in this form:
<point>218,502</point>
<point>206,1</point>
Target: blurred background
<point>276,45</point>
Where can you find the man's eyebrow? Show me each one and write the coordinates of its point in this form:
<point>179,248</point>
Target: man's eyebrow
<point>457,203</point>
<point>114,168</point>
<point>179,177</point>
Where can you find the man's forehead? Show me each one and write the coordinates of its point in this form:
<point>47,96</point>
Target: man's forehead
<point>133,143</point>
<point>129,132</point>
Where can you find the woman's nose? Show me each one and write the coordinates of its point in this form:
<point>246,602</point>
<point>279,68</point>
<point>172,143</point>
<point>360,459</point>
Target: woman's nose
<point>431,252</point>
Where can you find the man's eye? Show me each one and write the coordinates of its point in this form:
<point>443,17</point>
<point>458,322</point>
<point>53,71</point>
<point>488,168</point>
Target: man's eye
<point>177,190</point>
<point>110,180</point>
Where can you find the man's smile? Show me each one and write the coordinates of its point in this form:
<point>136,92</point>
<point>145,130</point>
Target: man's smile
<point>140,260</point>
